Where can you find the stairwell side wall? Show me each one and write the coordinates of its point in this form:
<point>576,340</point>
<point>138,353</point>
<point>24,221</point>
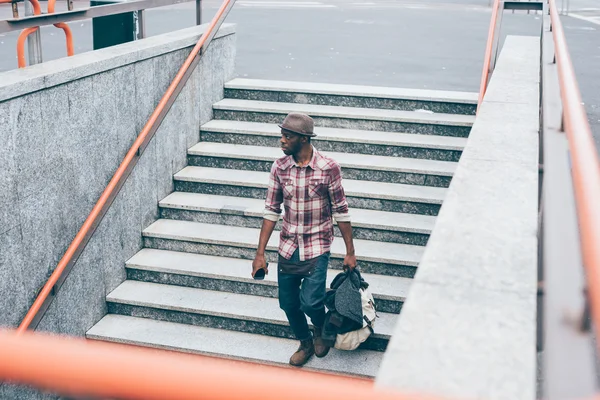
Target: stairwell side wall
<point>65,126</point>
<point>468,327</point>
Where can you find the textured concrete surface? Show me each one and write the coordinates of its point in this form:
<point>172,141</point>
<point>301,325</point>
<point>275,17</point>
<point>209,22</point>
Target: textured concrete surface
<point>375,190</point>
<point>254,208</point>
<point>345,112</point>
<point>341,135</point>
<point>234,269</point>
<point>213,303</point>
<point>63,136</point>
<point>346,160</point>
<point>478,276</point>
<point>364,121</point>
<point>352,90</point>
<point>390,144</point>
<point>229,344</point>
<point>379,252</point>
<point>327,52</point>
<point>352,96</point>
<point>16,83</point>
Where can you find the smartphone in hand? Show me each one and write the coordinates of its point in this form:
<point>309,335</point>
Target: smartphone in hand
<point>260,274</point>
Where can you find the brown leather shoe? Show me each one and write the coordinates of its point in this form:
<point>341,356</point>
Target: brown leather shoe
<point>303,354</point>
<point>321,349</point>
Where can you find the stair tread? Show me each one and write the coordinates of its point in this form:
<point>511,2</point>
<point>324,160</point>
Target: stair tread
<point>353,90</point>
<point>346,160</point>
<point>227,344</point>
<point>200,265</point>
<point>366,250</point>
<point>345,112</point>
<point>220,304</point>
<point>342,135</point>
<point>355,188</point>
<point>363,218</point>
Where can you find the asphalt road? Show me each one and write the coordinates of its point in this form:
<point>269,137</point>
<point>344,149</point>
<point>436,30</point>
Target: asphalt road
<point>434,44</point>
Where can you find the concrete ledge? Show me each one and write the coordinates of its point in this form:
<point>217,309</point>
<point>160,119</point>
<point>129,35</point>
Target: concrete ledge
<point>353,90</point>
<point>19,82</point>
<point>468,328</point>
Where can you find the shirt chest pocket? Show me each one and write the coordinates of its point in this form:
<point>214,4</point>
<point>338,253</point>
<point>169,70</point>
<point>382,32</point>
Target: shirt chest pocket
<point>317,188</point>
<point>287,186</point>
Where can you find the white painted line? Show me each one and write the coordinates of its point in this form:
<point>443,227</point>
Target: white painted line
<point>593,20</point>
<point>285,5</point>
<point>280,2</point>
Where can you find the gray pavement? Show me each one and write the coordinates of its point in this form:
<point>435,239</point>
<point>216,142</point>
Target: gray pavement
<point>434,44</point>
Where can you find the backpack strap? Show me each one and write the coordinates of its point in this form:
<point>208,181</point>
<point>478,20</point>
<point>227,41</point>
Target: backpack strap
<point>368,324</point>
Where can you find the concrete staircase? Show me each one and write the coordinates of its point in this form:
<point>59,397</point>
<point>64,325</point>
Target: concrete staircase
<point>190,288</point>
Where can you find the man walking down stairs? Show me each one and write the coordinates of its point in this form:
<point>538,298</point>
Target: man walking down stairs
<point>190,288</point>
<point>310,187</point>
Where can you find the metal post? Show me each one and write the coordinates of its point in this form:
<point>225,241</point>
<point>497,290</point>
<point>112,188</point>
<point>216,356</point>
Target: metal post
<point>70,5</point>
<point>198,12</point>
<point>15,9</point>
<point>141,24</point>
<point>497,39</point>
<point>34,41</point>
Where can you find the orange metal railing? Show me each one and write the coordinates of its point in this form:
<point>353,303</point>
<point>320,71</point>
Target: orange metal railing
<point>489,48</point>
<point>64,27</point>
<point>76,367</point>
<point>110,192</point>
<point>585,166</point>
<point>37,10</point>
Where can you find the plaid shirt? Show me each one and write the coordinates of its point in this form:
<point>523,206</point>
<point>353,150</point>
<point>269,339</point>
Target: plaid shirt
<point>312,196</point>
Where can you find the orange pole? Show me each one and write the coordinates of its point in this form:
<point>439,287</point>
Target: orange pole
<point>21,61</point>
<point>585,166</point>
<point>488,53</point>
<point>94,214</point>
<point>76,367</point>
<point>64,27</point>
<point>68,36</point>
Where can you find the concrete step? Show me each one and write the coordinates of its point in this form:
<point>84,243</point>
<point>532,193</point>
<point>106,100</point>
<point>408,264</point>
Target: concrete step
<point>352,95</point>
<point>370,119</point>
<point>241,211</point>
<point>223,310</point>
<point>394,197</point>
<point>227,344</point>
<point>391,144</point>
<point>355,166</point>
<point>194,237</point>
<point>228,274</point>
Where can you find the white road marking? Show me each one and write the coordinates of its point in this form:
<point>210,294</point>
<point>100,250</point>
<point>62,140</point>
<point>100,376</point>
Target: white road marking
<point>593,20</point>
<point>285,4</point>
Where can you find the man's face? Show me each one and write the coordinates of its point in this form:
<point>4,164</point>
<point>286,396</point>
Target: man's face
<point>291,143</point>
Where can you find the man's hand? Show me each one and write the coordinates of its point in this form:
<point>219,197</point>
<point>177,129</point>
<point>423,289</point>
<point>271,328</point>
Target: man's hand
<point>350,261</point>
<point>258,263</point>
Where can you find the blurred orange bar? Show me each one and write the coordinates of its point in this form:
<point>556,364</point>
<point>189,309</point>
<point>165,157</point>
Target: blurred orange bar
<point>78,367</point>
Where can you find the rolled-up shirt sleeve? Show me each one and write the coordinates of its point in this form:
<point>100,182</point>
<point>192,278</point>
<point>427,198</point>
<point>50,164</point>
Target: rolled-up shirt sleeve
<point>339,205</point>
<point>274,198</point>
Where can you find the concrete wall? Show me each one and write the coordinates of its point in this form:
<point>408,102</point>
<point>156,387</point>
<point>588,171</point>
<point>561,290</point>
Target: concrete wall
<point>65,126</point>
<point>468,328</point>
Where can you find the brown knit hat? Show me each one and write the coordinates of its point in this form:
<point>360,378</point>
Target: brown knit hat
<point>298,123</point>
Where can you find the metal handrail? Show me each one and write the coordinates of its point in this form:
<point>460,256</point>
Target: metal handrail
<point>15,24</point>
<point>21,62</point>
<point>52,286</point>
<point>108,370</point>
<point>64,27</point>
<point>585,166</point>
<point>487,61</point>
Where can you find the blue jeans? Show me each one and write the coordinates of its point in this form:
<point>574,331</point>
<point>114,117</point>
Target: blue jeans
<point>300,295</point>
